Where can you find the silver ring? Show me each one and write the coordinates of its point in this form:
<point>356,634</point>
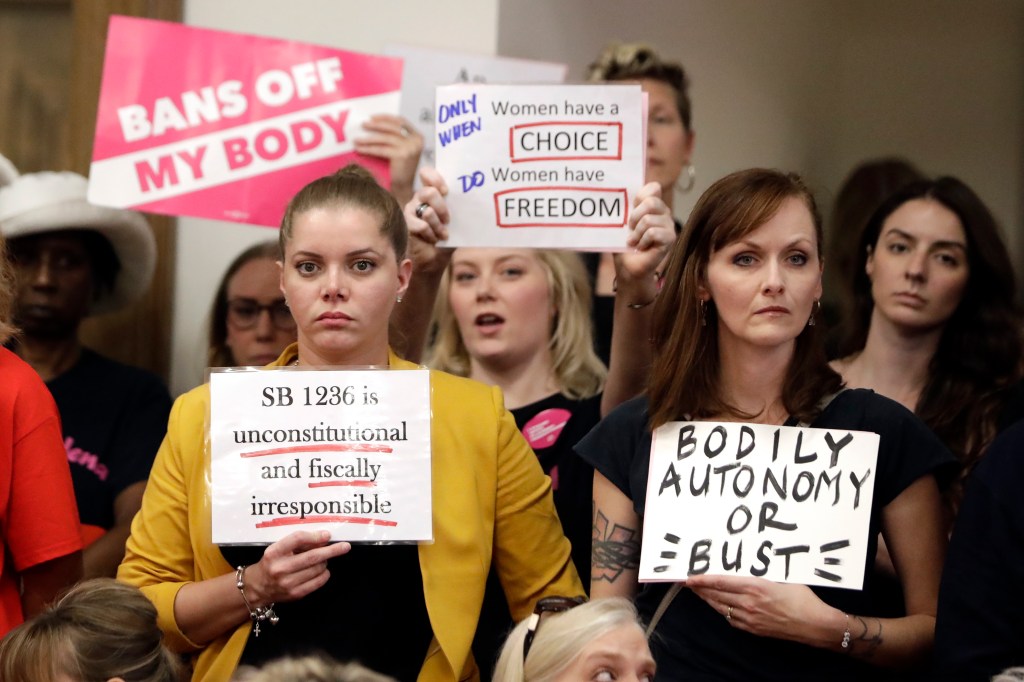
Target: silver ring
<point>405,131</point>
<point>728,614</point>
<point>421,209</point>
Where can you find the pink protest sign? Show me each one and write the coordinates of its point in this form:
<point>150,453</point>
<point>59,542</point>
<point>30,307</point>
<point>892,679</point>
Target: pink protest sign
<point>228,126</point>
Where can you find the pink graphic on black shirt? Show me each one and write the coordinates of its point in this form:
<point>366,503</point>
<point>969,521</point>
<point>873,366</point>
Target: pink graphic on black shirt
<point>543,430</point>
<point>86,459</point>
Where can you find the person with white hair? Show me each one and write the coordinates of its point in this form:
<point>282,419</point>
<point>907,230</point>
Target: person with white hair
<point>566,640</point>
<point>72,259</point>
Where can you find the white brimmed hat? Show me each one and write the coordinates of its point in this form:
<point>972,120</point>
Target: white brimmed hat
<point>47,202</point>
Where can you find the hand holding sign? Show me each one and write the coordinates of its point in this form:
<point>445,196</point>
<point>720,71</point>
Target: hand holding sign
<point>652,232</point>
<point>766,608</point>
<point>395,139</point>
<point>292,567</point>
<point>427,217</point>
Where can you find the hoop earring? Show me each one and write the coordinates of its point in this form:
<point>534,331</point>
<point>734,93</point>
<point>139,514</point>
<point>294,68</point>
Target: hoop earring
<point>691,178</point>
<point>703,312</point>
<point>817,309</point>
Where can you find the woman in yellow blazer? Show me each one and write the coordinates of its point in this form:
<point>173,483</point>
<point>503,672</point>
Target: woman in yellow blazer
<point>343,242</point>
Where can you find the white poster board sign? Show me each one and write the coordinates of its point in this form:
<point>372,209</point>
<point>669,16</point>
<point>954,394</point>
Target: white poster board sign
<point>541,166</point>
<point>785,503</point>
<point>425,69</point>
<point>343,451</point>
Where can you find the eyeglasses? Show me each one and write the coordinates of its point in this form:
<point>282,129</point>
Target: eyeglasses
<point>244,313</point>
<point>547,605</point>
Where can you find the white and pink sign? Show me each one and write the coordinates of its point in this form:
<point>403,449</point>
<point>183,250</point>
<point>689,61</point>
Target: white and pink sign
<point>541,166</point>
<point>228,126</point>
<point>346,451</point>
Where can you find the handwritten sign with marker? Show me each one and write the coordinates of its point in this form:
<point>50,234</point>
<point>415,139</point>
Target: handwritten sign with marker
<point>234,125</point>
<point>425,69</point>
<point>788,504</point>
<point>342,451</point>
<point>540,166</point>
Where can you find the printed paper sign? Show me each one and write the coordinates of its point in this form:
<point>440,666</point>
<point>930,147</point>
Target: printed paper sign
<point>228,126</point>
<point>426,69</point>
<point>540,165</point>
<point>784,503</point>
<point>342,451</point>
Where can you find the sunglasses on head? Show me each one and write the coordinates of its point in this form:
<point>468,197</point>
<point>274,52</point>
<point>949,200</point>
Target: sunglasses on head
<point>547,605</point>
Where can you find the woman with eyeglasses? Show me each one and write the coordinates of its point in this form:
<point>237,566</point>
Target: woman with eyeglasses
<point>405,610</point>
<point>735,339</point>
<point>250,323</point>
<point>569,640</point>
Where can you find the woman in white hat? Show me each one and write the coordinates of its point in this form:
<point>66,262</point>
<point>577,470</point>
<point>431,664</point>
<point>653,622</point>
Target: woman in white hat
<point>71,260</point>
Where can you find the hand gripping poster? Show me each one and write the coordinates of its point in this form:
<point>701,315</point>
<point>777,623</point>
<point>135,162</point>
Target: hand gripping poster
<point>228,126</point>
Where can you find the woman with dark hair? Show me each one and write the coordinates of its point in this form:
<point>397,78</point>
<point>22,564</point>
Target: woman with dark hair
<point>240,332</point>
<point>936,325</point>
<point>863,190</point>
<point>735,340</point>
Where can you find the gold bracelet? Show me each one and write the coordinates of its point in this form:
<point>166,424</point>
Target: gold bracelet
<point>258,614</point>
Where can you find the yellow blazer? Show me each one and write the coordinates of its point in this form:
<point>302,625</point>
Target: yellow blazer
<point>492,503</point>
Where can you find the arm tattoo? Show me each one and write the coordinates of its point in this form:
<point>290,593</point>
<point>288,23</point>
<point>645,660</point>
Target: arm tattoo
<point>870,642</point>
<point>613,549</point>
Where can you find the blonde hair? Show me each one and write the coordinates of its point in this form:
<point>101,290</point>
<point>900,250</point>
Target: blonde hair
<point>6,293</point>
<point>579,372</point>
<point>100,629</point>
<point>560,638</point>
<point>635,61</point>
<point>309,669</point>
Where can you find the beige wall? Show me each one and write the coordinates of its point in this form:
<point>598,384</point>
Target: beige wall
<point>817,86</point>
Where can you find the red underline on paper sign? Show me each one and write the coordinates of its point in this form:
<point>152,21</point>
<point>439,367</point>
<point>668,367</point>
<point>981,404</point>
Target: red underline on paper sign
<point>292,521</point>
<point>358,447</point>
<point>358,483</point>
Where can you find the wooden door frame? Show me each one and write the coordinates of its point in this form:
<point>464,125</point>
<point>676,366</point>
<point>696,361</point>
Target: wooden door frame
<point>141,334</point>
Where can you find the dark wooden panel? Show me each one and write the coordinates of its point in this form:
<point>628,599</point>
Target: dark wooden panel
<point>140,335</point>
